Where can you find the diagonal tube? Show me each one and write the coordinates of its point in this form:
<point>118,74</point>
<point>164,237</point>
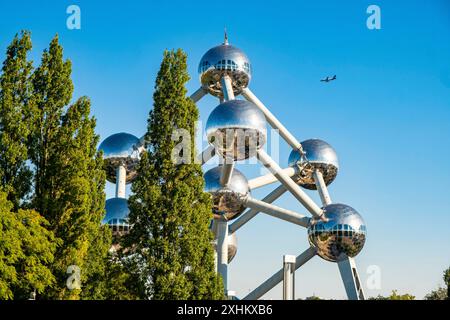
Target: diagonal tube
<point>206,155</point>
<point>249,214</point>
<point>273,121</point>
<point>277,212</point>
<point>298,193</point>
<point>200,93</point>
<point>267,285</point>
<point>322,188</point>
<point>270,178</point>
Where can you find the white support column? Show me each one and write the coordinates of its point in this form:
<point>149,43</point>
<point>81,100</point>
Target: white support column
<point>222,251</point>
<point>267,285</point>
<point>227,172</point>
<point>121,176</point>
<point>270,178</point>
<point>350,277</point>
<point>288,277</point>
<point>277,212</point>
<point>227,88</point>
<point>273,121</point>
<point>249,214</point>
<point>200,93</point>
<point>290,184</point>
<point>322,188</point>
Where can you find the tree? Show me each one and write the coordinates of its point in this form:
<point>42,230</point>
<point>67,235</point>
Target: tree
<point>170,240</point>
<point>441,293</point>
<point>447,281</point>
<point>394,296</point>
<point>69,178</point>
<point>15,119</point>
<point>438,294</point>
<point>26,249</point>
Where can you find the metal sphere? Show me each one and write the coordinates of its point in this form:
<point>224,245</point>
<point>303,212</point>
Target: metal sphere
<point>321,156</point>
<point>226,200</point>
<point>343,235</point>
<point>121,149</point>
<point>117,215</point>
<point>221,60</point>
<point>237,129</point>
<point>232,246</point>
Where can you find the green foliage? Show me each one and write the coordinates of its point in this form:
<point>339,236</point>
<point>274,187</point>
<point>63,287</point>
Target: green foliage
<point>394,296</point>
<point>170,242</point>
<point>447,276</point>
<point>15,119</point>
<point>313,298</point>
<point>69,178</point>
<point>438,294</point>
<point>26,249</point>
<point>441,293</point>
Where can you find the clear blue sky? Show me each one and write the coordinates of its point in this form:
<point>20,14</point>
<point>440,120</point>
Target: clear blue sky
<point>387,114</point>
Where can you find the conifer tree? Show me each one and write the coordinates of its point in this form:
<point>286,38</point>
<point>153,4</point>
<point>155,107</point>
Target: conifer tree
<point>14,119</point>
<point>69,179</point>
<point>170,240</point>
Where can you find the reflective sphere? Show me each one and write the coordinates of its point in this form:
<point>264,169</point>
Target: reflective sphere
<point>343,235</point>
<point>221,60</point>
<point>237,129</point>
<point>121,149</point>
<point>321,156</point>
<point>226,200</point>
<point>117,215</point>
<point>232,246</point>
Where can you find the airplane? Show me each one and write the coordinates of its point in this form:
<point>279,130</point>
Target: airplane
<point>328,79</point>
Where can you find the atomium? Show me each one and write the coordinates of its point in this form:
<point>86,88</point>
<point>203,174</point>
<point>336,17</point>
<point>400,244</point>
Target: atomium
<point>237,129</point>
<point>321,156</point>
<point>226,200</point>
<point>342,235</point>
<point>117,215</point>
<point>121,149</point>
<point>223,60</point>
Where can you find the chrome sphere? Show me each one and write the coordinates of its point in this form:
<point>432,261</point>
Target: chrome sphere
<point>226,200</point>
<point>121,149</point>
<point>343,235</point>
<point>117,215</point>
<point>221,60</point>
<point>237,129</point>
<point>321,156</point>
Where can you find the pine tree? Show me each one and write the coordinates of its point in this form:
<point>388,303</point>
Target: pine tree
<point>14,119</point>
<point>170,240</point>
<point>69,179</point>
